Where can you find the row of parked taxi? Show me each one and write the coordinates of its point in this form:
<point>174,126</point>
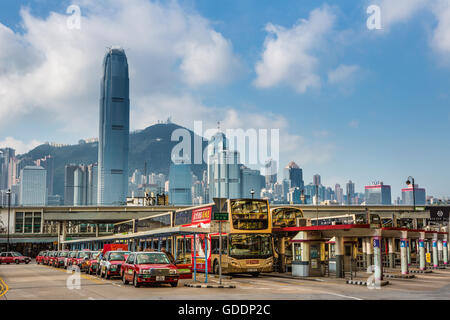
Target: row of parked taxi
<point>136,267</point>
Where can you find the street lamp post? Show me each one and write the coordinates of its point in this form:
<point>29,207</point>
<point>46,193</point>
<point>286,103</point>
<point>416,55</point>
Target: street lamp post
<point>252,193</point>
<point>409,181</point>
<point>9,209</point>
<point>317,203</point>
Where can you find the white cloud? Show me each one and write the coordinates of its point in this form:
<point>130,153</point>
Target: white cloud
<point>19,146</point>
<point>52,70</point>
<point>440,40</point>
<point>342,73</point>
<point>57,71</point>
<point>402,11</point>
<point>289,54</point>
<point>398,11</point>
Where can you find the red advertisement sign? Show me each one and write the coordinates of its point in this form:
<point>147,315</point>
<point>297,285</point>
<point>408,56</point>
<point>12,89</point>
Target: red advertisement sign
<point>201,215</point>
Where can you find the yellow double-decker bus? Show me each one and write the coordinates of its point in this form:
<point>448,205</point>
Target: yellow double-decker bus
<point>246,237</point>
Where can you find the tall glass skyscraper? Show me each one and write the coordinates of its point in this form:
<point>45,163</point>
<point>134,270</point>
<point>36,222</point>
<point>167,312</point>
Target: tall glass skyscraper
<point>294,173</point>
<point>114,129</point>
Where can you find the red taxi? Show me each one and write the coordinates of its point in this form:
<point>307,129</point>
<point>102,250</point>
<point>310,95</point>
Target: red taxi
<point>79,258</point>
<point>59,259</point>
<point>111,262</point>
<point>41,256</point>
<point>149,267</point>
<point>52,258</point>
<point>13,257</point>
<point>46,257</point>
<point>69,259</point>
<point>90,264</point>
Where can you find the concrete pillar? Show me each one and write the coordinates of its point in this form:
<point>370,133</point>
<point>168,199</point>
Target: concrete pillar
<point>282,251</point>
<point>369,251</point>
<point>408,251</point>
<point>440,251</point>
<point>96,230</point>
<point>364,250</point>
<point>422,264</point>
<point>435,254</point>
<point>305,259</point>
<point>339,249</point>
<point>445,252</point>
<point>64,234</point>
<point>378,259</point>
<point>391,248</point>
<point>404,255</point>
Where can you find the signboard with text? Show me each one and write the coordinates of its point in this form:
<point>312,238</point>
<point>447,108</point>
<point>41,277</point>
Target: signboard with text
<point>220,216</point>
<point>439,213</point>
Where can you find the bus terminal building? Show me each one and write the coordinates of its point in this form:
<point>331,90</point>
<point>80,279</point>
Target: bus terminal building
<point>321,241</point>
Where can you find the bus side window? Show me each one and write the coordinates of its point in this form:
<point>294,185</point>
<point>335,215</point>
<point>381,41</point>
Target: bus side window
<point>189,245</point>
<point>224,245</point>
<point>215,245</point>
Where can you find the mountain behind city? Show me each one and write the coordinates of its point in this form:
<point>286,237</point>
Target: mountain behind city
<point>152,145</point>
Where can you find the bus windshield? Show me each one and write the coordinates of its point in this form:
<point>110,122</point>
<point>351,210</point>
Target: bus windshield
<point>249,214</point>
<point>285,217</point>
<point>250,246</point>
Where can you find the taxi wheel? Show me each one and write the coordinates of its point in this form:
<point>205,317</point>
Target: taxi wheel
<point>125,281</point>
<point>135,282</point>
<point>17,261</point>
<point>27,262</point>
<point>174,284</point>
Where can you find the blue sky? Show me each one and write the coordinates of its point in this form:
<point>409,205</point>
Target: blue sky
<point>387,119</point>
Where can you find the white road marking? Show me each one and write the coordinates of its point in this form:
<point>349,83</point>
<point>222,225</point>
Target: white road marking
<point>343,296</point>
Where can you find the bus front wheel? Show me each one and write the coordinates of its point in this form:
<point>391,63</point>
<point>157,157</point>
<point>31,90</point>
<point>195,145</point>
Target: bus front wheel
<point>255,274</point>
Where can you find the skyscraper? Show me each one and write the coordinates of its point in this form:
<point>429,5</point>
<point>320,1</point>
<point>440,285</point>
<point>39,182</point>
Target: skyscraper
<point>48,163</point>
<point>378,194</point>
<point>69,171</point>
<point>339,193</point>
<point>250,180</point>
<point>350,191</point>
<point>114,129</point>
<point>270,172</point>
<point>180,184</point>
<point>33,186</point>
<point>419,194</point>
<point>316,179</point>
<point>8,167</point>
<point>294,174</point>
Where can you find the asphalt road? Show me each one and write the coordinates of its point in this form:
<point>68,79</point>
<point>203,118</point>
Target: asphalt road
<point>37,282</point>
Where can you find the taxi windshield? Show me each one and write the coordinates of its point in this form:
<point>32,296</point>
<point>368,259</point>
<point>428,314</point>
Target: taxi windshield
<point>83,254</point>
<point>16,254</point>
<point>152,258</point>
<point>63,254</point>
<point>117,256</point>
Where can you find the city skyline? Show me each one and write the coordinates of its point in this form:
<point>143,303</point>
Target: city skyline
<point>361,109</point>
